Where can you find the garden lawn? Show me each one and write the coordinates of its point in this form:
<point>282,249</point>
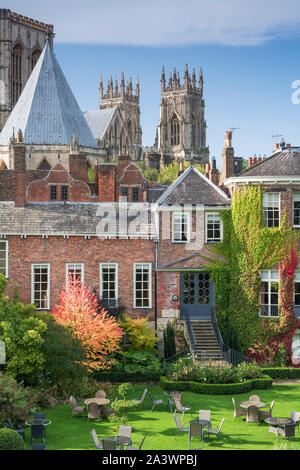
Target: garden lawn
<point>70,433</point>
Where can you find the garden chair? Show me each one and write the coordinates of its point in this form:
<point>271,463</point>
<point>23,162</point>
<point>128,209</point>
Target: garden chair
<point>39,416</point>
<point>93,410</point>
<point>252,414</point>
<point>237,412</point>
<point>267,414</point>
<point>216,432</point>
<point>179,407</point>
<point>288,430</point>
<point>254,398</point>
<point>97,443</point>
<point>177,395</point>
<point>204,414</point>
<point>20,431</point>
<point>195,430</point>
<point>125,431</point>
<point>141,400</point>
<point>273,429</point>
<point>295,417</point>
<point>155,402</point>
<point>37,432</point>
<point>180,428</point>
<point>100,394</point>
<point>109,444</point>
<point>76,410</point>
<point>139,447</point>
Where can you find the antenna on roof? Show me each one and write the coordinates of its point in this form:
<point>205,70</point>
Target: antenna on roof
<point>274,135</point>
<point>234,128</point>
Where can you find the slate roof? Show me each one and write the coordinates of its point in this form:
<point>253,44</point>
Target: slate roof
<point>193,188</point>
<point>99,120</point>
<point>47,111</point>
<point>76,219</point>
<point>283,163</point>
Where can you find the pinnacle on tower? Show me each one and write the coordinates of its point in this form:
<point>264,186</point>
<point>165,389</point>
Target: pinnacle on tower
<point>163,79</point>
<point>137,87</point>
<point>122,84</point>
<point>194,79</point>
<point>201,80</point>
<point>186,77</point>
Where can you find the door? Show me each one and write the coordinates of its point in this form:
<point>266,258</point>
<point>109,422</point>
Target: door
<point>196,295</point>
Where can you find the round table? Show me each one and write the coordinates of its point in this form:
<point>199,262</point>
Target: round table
<point>278,421</point>
<point>100,402</point>
<point>44,422</point>
<point>258,404</point>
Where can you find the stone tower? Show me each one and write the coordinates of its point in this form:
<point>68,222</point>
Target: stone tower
<point>22,40</point>
<point>122,96</point>
<point>182,126</point>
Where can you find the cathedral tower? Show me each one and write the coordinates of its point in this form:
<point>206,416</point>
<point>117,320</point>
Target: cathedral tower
<point>22,40</point>
<point>182,127</point>
<point>119,95</point>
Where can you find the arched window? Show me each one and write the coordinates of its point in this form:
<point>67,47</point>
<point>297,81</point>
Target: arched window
<point>175,130</point>
<point>17,59</point>
<point>35,57</point>
<point>116,134</point>
<point>129,129</point>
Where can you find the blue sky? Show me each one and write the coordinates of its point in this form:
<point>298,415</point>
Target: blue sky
<point>249,54</point>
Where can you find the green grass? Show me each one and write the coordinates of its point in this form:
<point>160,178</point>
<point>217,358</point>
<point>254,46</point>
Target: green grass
<point>70,433</point>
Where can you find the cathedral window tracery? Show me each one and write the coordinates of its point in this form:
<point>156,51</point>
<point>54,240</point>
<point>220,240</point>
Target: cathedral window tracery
<point>17,59</point>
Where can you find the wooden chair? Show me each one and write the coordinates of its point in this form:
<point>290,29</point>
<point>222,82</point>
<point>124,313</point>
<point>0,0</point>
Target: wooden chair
<point>76,410</point>
<point>267,414</point>
<point>237,412</point>
<point>252,414</point>
<point>93,410</point>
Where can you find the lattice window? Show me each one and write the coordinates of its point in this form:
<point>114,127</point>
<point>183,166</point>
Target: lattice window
<point>109,280</point>
<point>271,209</point>
<point>40,279</point>
<point>142,285</point>
<point>74,272</point>
<point>213,228</point>
<point>269,294</point>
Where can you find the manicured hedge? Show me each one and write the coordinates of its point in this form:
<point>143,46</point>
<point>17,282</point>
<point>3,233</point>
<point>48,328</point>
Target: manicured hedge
<point>262,383</point>
<point>283,372</point>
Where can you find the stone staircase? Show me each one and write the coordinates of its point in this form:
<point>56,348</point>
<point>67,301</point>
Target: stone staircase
<point>207,346</point>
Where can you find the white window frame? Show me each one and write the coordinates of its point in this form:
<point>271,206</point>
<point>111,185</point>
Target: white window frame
<point>33,266</point>
<point>180,214</point>
<point>115,265</point>
<point>296,198</point>
<point>149,266</point>
<point>265,206</point>
<point>217,214</point>
<point>269,279</point>
<point>6,257</point>
<point>80,265</point>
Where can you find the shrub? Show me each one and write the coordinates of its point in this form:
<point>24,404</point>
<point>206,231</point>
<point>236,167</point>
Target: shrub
<point>15,400</point>
<point>169,341</point>
<point>141,336</point>
<point>10,440</point>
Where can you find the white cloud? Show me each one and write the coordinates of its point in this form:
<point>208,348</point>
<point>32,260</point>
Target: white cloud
<point>165,22</point>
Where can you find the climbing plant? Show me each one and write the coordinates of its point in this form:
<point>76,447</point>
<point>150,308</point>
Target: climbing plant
<point>247,248</point>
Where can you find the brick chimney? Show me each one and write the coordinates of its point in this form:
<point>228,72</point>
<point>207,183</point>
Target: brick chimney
<point>78,166</point>
<point>107,182</point>
<point>213,172</point>
<point>123,161</point>
<point>18,153</point>
<point>207,170</point>
<point>227,159</point>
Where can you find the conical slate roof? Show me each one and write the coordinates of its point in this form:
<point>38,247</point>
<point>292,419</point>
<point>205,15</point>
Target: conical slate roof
<point>47,111</point>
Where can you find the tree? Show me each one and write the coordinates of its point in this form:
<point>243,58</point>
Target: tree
<point>169,173</point>
<point>141,336</point>
<point>99,333</point>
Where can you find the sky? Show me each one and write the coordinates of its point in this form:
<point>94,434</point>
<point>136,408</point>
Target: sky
<point>249,53</point>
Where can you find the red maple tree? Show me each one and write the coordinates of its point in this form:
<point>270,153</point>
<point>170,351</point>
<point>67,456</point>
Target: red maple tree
<point>100,334</point>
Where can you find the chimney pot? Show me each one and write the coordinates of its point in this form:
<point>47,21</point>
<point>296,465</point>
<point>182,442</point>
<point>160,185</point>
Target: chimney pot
<point>276,146</point>
<point>288,145</point>
<point>250,161</point>
<point>254,160</point>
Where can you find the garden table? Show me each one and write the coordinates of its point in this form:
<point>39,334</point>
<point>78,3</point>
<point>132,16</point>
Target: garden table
<point>258,404</point>
<point>45,422</point>
<point>121,441</point>
<point>278,422</point>
<point>100,402</point>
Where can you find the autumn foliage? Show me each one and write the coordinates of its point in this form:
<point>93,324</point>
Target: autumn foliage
<point>78,310</point>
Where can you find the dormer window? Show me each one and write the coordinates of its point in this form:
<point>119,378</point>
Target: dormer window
<point>180,227</point>
<point>271,209</point>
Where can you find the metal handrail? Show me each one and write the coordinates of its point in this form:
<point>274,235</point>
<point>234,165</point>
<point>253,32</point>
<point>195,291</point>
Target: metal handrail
<point>191,335</point>
<point>175,357</point>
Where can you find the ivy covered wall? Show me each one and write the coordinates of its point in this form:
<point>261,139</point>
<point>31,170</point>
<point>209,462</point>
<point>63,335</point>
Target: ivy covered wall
<point>248,247</point>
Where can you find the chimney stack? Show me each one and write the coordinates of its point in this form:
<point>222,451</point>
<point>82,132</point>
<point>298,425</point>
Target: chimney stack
<point>227,158</point>
<point>107,182</point>
<point>250,161</point>
<point>214,173</point>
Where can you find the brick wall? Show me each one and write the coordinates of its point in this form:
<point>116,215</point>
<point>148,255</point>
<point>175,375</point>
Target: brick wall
<point>58,251</point>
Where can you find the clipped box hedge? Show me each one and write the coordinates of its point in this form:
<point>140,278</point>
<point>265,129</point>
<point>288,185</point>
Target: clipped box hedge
<point>283,372</point>
<point>262,383</point>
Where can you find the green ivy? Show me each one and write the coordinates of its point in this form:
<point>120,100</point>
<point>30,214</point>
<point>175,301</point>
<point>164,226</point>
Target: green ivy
<point>247,247</point>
